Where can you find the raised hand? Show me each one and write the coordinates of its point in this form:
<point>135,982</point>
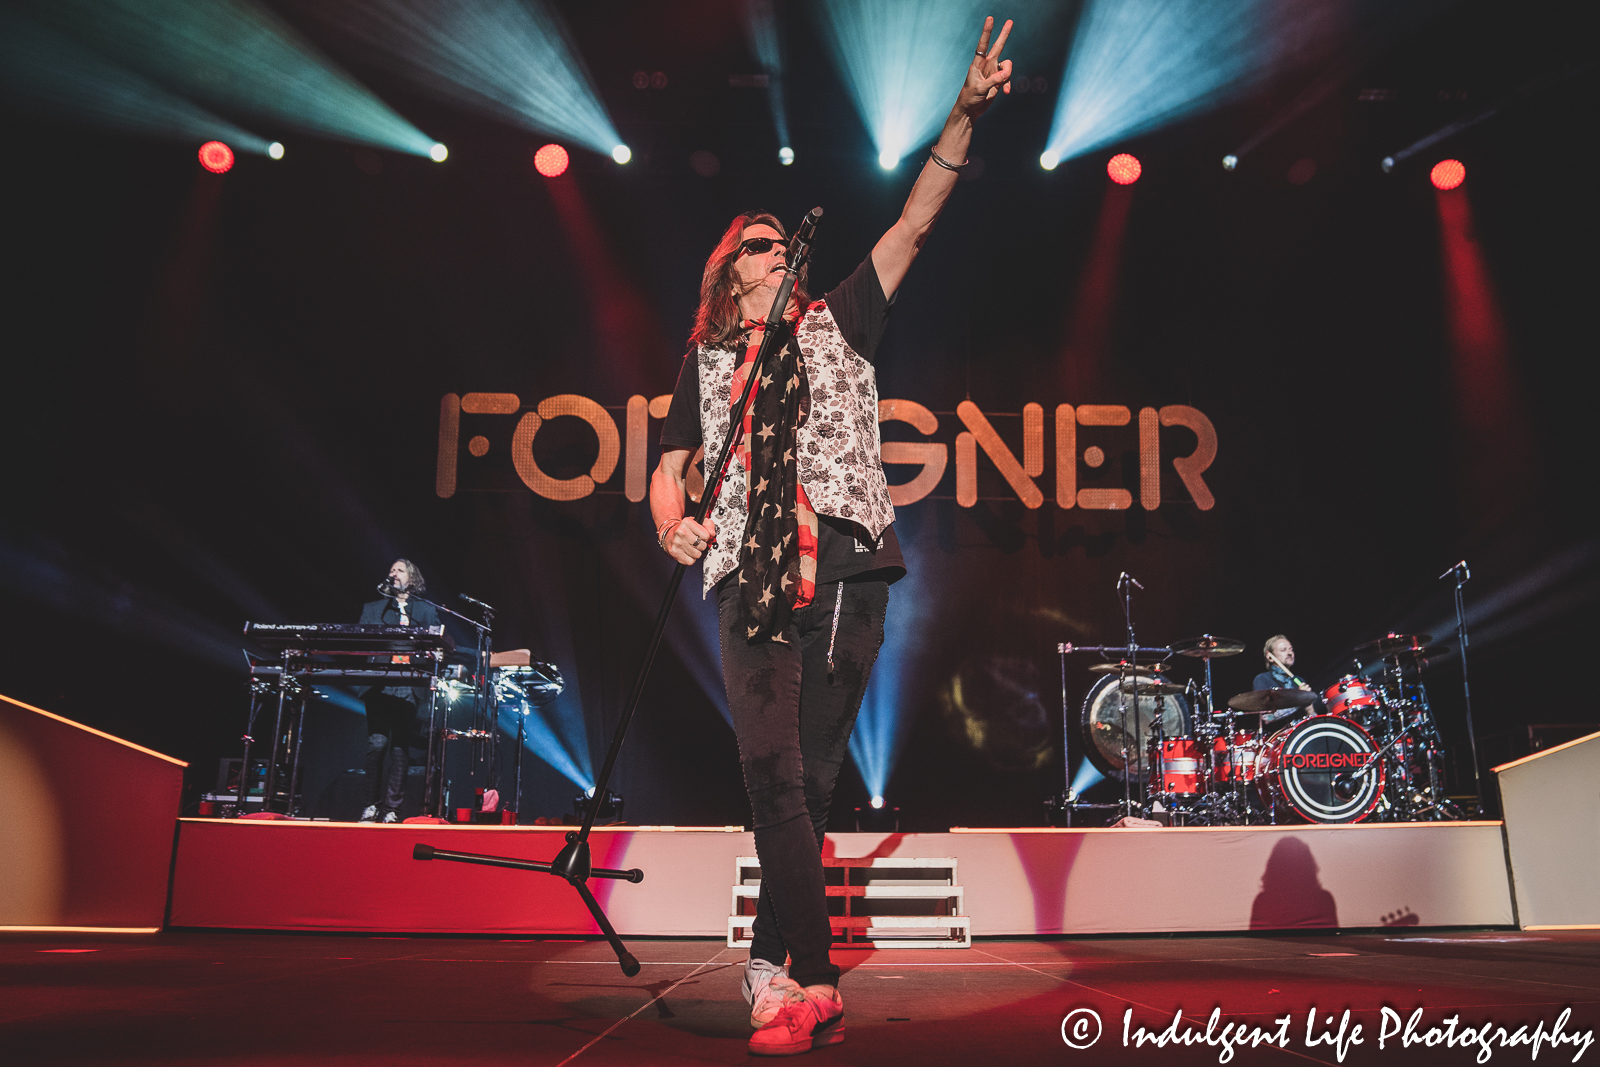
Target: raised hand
<point>988,76</point>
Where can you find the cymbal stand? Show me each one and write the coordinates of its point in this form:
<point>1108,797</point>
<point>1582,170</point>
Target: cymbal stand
<point>485,717</point>
<point>259,687</point>
<point>573,861</point>
<point>1125,584</point>
<point>270,782</point>
<point>1462,576</point>
<point>1069,799</point>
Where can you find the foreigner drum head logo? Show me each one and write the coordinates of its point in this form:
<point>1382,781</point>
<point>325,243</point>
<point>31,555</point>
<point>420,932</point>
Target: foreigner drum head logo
<point>1325,768</point>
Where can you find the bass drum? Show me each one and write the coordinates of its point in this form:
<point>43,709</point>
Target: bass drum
<point>1103,728</point>
<point>1324,769</point>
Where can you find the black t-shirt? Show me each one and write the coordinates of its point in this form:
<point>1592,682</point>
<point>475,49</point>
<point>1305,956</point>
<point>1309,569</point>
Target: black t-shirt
<point>844,549</point>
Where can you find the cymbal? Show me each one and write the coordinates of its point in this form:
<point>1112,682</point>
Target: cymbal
<point>1425,652</point>
<point>1389,644</point>
<point>1208,647</point>
<point>1271,699</point>
<point>1152,687</point>
<point>1120,668</point>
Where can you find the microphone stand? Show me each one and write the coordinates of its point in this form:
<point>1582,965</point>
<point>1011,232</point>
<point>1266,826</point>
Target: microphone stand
<point>481,697</point>
<point>573,861</point>
<point>1462,576</point>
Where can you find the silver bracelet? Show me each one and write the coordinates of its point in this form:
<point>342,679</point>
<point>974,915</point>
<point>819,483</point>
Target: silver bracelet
<point>661,533</point>
<point>945,163</point>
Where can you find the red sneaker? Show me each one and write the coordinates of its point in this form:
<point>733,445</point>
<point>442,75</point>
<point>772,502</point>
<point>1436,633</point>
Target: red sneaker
<point>814,1020</point>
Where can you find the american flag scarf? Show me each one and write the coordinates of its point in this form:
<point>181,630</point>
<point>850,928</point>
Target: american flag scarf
<point>778,555</point>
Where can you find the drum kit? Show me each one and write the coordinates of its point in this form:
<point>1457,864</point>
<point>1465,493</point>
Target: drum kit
<point>1373,751</point>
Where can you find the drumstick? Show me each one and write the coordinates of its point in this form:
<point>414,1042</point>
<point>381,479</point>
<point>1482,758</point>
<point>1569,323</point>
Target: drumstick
<point>1293,677</point>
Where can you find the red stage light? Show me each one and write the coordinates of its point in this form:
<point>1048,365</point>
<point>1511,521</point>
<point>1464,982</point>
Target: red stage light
<point>1124,169</point>
<point>1448,173</point>
<point>216,157</point>
<point>551,161</point>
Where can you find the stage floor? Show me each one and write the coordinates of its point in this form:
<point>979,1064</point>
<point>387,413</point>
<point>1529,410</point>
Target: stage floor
<point>228,998</point>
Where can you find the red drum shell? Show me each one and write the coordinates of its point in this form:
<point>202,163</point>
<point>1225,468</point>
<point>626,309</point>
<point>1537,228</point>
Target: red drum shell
<point>1352,696</point>
<point>1235,758</point>
<point>1302,766</point>
<point>1182,769</point>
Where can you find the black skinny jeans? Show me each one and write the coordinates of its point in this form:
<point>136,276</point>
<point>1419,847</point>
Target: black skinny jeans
<point>793,722</point>
<point>391,731</point>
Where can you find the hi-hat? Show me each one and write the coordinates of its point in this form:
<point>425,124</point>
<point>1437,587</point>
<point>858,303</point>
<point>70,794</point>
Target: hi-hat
<point>1208,647</point>
<point>1120,668</point>
<point>1271,700</point>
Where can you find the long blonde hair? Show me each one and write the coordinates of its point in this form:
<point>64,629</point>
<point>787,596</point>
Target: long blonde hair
<point>717,320</point>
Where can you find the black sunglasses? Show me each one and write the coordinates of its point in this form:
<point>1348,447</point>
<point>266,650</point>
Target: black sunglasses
<point>758,246</point>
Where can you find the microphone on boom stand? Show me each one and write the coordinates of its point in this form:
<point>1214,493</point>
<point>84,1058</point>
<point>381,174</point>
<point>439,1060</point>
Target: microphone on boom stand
<point>388,588</point>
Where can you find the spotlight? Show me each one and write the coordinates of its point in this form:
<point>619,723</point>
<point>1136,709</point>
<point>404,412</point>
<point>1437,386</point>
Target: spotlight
<point>551,161</point>
<point>1448,173</point>
<point>218,157</point>
<point>1123,169</point>
<point>877,818</point>
<point>607,810</point>
<point>888,159</point>
<point>1049,160</point>
<point>1387,164</point>
<point>1230,162</point>
<point>786,155</point>
<point>274,150</point>
<point>438,153</point>
<point>622,153</point>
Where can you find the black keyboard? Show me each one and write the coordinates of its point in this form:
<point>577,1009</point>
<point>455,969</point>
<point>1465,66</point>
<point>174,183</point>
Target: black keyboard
<point>346,637</point>
<point>324,673</point>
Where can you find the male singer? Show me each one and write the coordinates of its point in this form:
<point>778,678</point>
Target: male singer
<point>392,711</point>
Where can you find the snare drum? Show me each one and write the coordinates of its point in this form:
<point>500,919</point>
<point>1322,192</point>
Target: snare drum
<point>1234,758</point>
<point>1181,769</point>
<point>1353,696</point>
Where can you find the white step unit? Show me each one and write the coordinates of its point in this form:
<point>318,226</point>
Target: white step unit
<point>934,885</point>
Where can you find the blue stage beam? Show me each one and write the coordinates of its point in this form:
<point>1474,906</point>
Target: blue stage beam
<point>43,71</point>
<point>901,61</point>
<point>510,58</point>
<point>762,23</point>
<point>1136,65</point>
<point>238,56</point>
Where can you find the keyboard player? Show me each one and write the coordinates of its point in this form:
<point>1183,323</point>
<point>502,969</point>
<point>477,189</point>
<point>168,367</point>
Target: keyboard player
<point>393,711</point>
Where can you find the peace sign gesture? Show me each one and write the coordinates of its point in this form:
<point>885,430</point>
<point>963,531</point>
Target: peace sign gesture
<point>988,76</point>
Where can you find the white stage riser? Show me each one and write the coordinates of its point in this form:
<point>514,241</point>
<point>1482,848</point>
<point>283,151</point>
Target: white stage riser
<point>322,876</point>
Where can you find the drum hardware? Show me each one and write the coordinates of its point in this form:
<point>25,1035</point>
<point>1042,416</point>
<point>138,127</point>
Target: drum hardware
<point>1463,575</point>
<point>533,685</point>
<point>1117,738</point>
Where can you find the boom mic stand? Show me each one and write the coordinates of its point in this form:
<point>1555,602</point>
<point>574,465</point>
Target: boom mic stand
<point>482,696</point>
<point>573,861</point>
<point>1463,575</point>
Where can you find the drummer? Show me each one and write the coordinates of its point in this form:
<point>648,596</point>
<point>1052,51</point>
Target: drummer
<point>1279,654</point>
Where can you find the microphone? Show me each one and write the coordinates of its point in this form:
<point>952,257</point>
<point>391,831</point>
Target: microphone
<point>1344,787</point>
<point>1466,575</point>
<point>388,588</point>
<point>1130,579</point>
<point>802,237</point>
<point>471,600</point>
